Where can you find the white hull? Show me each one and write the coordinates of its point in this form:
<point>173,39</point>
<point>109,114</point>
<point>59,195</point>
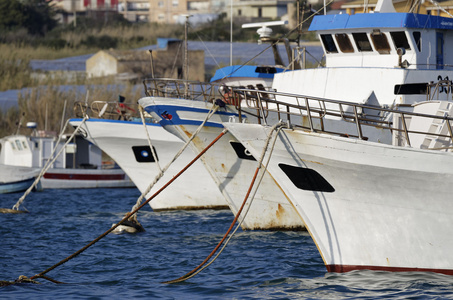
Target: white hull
<point>16,179</point>
<point>390,208</point>
<point>270,208</point>
<point>117,138</point>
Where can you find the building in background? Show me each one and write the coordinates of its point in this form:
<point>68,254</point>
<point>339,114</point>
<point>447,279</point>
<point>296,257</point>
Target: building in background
<point>168,60</point>
<point>68,10</point>
<point>172,11</point>
<point>437,8</point>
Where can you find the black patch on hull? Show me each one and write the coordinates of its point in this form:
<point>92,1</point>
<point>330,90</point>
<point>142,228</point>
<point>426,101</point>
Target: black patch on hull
<point>241,152</point>
<point>143,154</point>
<point>306,179</point>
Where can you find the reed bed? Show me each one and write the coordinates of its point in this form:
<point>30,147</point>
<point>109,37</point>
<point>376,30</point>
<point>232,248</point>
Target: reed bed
<point>50,106</point>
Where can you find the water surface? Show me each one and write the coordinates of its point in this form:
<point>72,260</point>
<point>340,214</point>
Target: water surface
<point>254,265</point>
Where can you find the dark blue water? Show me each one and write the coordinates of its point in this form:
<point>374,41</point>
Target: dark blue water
<point>258,265</point>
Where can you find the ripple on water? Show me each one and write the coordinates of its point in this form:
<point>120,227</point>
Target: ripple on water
<point>254,265</point>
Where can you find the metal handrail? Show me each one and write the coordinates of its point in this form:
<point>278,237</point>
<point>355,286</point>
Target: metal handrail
<point>434,88</point>
<point>181,89</point>
<point>350,112</point>
<point>107,110</point>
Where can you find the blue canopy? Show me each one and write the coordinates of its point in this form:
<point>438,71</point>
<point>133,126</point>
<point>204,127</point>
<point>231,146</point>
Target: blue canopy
<point>380,20</point>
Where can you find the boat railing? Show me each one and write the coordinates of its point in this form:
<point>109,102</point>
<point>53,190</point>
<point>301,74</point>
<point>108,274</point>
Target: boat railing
<point>319,115</point>
<point>113,110</point>
<point>436,88</point>
<point>180,89</point>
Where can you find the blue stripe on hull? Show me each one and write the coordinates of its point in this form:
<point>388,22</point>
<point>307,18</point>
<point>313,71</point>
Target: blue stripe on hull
<point>170,116</point>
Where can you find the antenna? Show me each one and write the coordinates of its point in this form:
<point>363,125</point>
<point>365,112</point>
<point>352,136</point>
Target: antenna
<point>264,31</point>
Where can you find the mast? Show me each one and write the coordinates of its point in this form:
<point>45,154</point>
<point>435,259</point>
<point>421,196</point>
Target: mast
<point>185,66</point>
<point>186,58</point>
<point>231,32</point>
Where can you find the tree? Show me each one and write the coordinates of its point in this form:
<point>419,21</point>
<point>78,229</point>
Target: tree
<point>37,16</point>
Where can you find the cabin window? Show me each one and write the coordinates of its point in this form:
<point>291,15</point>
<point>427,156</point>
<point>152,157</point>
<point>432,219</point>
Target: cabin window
<point>411,89</point>
<point>12,146</point>
<point>344,43</point>
<point>266,70</point>
<point>24,144</point>
<point>418,40</point>
<point>362,42</point>
<point>380,42</point>
<point>328,43</point>
<point>400,40</point>
<point>19,146</point>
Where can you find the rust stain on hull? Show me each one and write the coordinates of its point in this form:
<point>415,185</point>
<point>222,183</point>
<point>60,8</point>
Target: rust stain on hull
<point>277,228</point>
<point>213,207</point>
<point>280,212</point>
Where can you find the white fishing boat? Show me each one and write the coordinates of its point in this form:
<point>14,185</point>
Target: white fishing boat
<point>173,103</point>
<point>80,164</point>
<point>15,179</point>
<point>126,141</point>
<point>368,203</point>
<point>229,164</point>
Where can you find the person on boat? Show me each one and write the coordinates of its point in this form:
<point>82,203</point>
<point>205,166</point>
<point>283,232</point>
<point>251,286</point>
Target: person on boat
<point>122,108</point>
<point>228,96</point>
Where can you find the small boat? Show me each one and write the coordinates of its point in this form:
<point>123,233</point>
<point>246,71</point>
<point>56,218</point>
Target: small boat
<point>15,179</point>
<point>80,164</point>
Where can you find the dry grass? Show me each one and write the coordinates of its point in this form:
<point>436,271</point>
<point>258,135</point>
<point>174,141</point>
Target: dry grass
<point>45,98</point>
<point>50,106</point>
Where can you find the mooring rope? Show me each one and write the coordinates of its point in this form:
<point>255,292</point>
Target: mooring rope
<point>140,108</point>
<point>212,111</point>
<point>202,266</point>
<point>246,211</point>
<point>49,162</point>
<point>40,275</point>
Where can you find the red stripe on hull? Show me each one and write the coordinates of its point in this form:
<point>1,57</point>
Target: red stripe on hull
<point>348,268</point>
<point>84,176</point>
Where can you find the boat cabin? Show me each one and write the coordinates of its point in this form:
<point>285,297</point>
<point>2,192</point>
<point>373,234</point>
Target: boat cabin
<point>34,151</point>
<point>404,40</point>
<point>384,58</point>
